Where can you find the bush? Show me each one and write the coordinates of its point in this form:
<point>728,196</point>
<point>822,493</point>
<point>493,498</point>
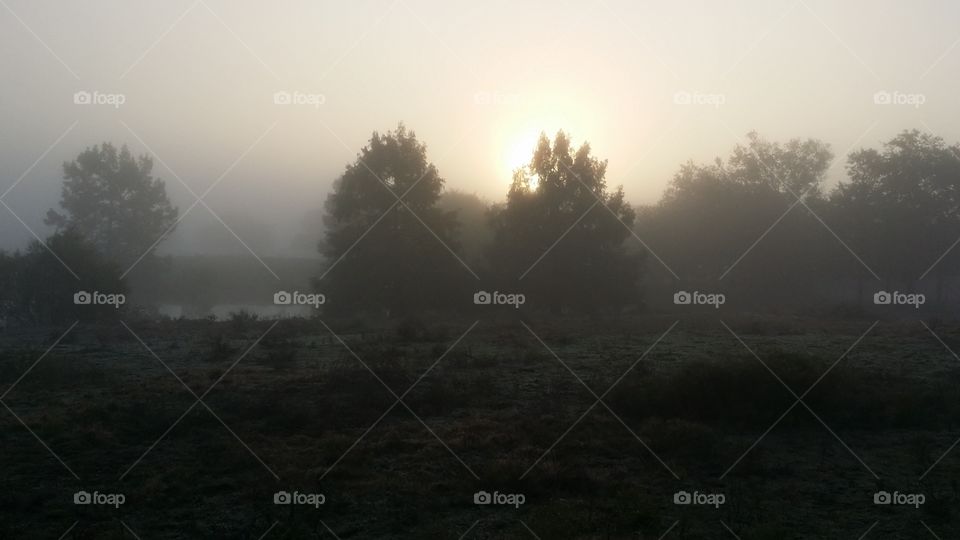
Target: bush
<point>741,392</point>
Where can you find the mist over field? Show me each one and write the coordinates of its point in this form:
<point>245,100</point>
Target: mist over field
<point>423,269</point>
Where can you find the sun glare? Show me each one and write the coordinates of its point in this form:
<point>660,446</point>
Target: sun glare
<point>519,150</point>
<point>519,135</point>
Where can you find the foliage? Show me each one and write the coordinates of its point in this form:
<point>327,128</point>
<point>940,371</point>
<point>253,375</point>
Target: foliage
<point>388,199</point>
<point>560,237</point>
<point>112,200</point>
<point>47,276</point>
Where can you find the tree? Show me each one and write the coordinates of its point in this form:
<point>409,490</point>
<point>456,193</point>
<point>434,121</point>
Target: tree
<point>901,207</point>
<point>730,220</point>
<point>46,279</point>
<point>113,201</point>
<point>553,239</point>
<point>474,234</point>
<point>383,253</point>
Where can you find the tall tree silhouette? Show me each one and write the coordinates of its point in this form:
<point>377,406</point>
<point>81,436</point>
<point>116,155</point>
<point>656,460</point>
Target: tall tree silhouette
<point>901,207</point>
<point>737,223</point>
<point>111,198</point>
<point>553,238</point>
<point>386,240</point>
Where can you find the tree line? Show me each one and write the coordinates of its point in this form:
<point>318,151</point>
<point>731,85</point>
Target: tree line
<point>759,225</point>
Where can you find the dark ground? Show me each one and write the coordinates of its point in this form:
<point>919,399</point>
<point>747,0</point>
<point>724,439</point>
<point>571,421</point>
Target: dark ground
<point>511,406</point>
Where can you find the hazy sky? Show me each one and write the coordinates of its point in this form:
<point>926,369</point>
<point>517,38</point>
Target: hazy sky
<point>649,84</point>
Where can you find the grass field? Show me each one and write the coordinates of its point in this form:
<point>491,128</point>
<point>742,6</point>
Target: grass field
<point>596,423</point>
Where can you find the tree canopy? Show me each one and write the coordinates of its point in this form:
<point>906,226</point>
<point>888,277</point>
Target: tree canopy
<point>387,242</point>
<point>111,198</point>
<point>561,235</point>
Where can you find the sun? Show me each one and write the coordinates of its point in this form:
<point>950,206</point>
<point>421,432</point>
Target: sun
<point>518,150</point>
<point>518,135</point>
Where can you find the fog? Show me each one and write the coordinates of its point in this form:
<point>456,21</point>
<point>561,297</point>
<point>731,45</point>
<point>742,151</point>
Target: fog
<point>477,82</point>
<point>424,269</point>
